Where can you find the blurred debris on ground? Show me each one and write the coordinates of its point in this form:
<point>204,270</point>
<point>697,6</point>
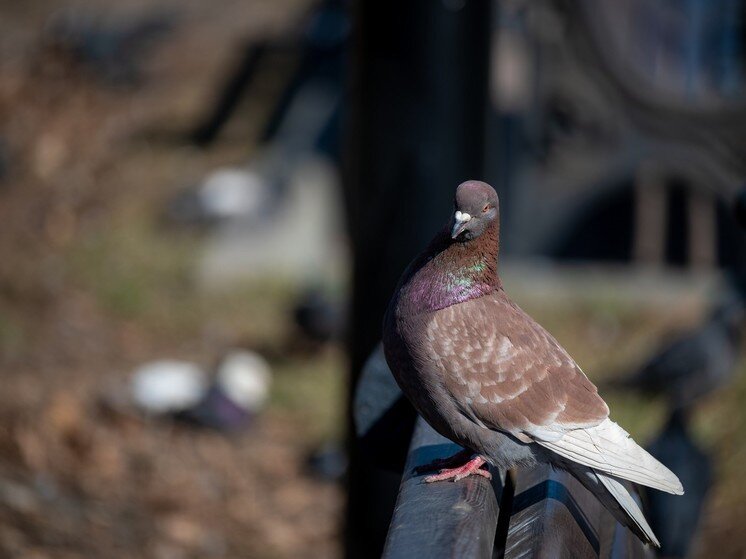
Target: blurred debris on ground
<point>92,286</point>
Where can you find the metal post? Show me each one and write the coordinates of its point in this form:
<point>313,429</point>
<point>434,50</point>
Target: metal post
<point>416,130</point>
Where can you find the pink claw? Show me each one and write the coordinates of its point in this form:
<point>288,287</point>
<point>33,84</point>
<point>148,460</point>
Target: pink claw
<point>472,467</point>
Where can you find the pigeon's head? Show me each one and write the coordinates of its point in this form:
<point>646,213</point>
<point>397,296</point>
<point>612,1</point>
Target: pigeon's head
<point>476,207</point>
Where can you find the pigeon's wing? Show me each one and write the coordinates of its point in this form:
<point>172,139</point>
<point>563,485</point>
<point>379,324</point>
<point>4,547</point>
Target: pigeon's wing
<point>506,372</point>
<point>610,449</point>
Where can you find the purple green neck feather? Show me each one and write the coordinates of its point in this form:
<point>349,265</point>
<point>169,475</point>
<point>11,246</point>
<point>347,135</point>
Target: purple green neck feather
<point>450,272</point>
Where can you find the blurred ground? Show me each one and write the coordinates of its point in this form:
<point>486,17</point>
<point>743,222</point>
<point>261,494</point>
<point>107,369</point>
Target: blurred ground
<point>93,284</point>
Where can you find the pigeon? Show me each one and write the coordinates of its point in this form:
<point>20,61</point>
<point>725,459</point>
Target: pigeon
<point>695,363</point>
<point>485,375</point>
<point>319,318</point>
<point>236,395</point>
<point>676,519</point>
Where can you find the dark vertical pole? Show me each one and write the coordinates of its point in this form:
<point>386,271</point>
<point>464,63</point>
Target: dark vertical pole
<point>230,94</point>
<point>416,130</point>
<point>739,207</point>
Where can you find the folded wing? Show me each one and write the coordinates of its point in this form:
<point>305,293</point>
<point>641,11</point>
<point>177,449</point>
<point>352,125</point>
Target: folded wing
<point>505,372</point>
<point>609,448</point>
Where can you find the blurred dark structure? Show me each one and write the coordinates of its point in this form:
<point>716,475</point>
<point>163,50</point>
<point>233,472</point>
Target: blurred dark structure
<point>615,131</point>
<point>620,129</point>
<point>328,463</point>
<point>303,123</point>
<point>418,109</point>
<point>4,159</point>
<point>320,45</point>
<point>739,208</point>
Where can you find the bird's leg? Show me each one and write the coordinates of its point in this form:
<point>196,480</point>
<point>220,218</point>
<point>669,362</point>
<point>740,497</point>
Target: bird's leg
<point>472,467</point>
<point>439,464</point>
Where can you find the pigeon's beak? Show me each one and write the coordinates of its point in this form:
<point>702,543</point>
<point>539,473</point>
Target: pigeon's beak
<point>459,223</point>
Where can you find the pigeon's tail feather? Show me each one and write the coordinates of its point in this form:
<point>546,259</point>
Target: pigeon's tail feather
<point>617,500</point>
<point>609,449</point>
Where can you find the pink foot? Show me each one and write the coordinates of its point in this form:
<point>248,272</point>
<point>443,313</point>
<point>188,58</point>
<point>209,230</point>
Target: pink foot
<point>472,467</point>
<point>454,461</point>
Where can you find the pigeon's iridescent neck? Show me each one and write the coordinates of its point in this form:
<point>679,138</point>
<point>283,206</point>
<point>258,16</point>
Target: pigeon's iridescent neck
<point>457,273</point>
<point>431,290</point>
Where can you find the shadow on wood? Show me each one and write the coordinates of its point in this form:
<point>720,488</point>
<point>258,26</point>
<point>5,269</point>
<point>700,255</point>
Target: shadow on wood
<point>442,519</point>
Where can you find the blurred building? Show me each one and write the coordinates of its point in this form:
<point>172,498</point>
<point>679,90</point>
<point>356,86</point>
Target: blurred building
<point>618,130</point>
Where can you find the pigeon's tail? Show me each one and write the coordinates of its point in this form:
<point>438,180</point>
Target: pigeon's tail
<point>617,500</point>
<point>608,448</point>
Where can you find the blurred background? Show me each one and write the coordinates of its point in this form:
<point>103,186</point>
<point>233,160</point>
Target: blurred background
<point>204,208</point>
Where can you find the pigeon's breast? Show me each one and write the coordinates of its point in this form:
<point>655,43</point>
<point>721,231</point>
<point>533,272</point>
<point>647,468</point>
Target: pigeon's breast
<point>417,374</point>
<point>422,375</point>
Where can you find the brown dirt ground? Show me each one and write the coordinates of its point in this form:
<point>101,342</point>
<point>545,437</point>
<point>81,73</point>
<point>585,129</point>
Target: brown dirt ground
<point>91,285</point>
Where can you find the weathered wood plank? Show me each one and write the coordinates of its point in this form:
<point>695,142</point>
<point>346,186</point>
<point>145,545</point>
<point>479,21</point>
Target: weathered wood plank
<point>554,516</point>
<point>442,520</point>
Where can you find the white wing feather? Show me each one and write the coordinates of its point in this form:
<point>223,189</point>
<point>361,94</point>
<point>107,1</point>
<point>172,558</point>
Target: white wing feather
<point>609,448</point>
<point>629,505</point>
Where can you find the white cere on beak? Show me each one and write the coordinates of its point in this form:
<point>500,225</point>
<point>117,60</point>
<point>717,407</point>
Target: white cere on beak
<point>459,219</point>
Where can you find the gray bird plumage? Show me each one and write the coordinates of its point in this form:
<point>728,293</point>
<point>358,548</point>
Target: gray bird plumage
<point>696,362</point>
<point>676,519</point>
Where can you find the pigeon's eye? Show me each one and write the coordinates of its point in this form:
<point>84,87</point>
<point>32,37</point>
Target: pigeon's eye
<point>486,208</point>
